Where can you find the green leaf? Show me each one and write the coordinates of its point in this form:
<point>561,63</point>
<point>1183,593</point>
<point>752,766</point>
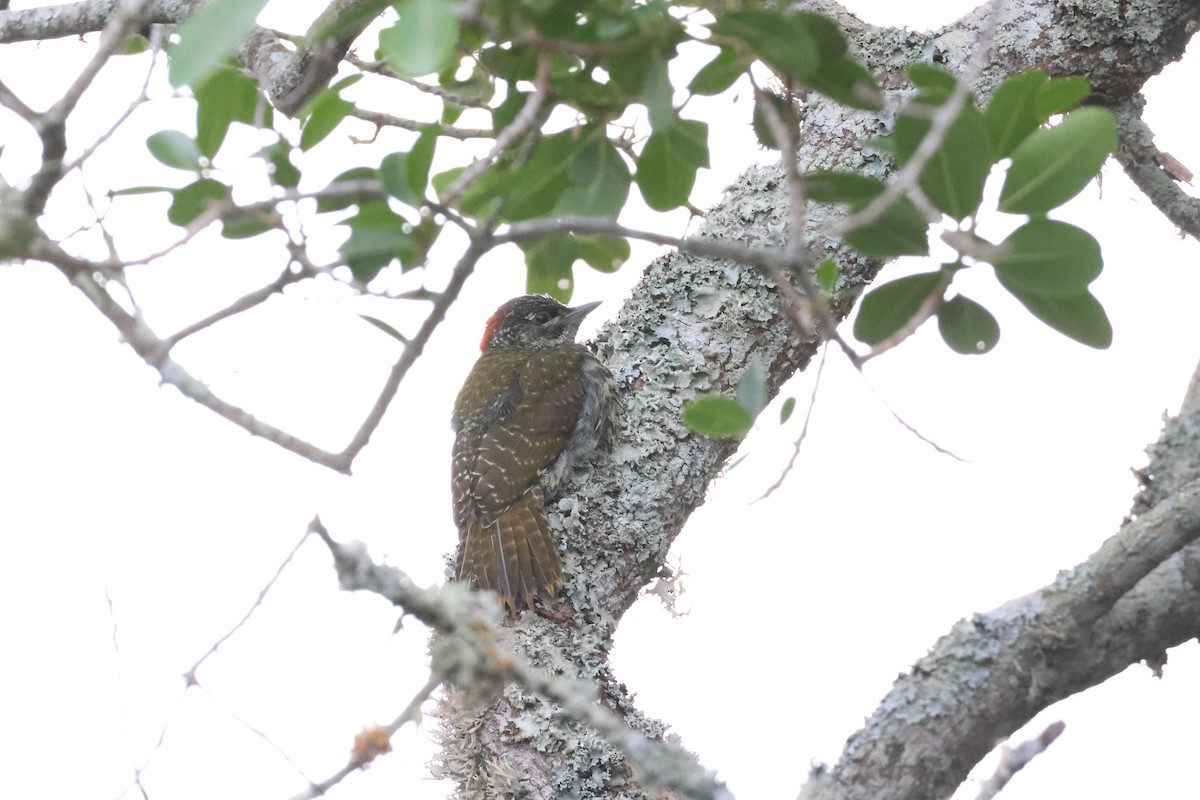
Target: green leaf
<point>954,177</point>
<point>328,204</point>
<point>827,274</point>
<point>666,169</point>
<point>225,97</point>
<point>132,190</point>
<point>599,180</point>
<point>283,172</point>
<point>657,94</point>
<point>1054,164</point>
<point>504,114</point>
<point>1080,317</point>
<point>602,253</point>
<point>719,74</point>
<point>1061,94</point>
<point>966,326</point>
<point>248,225</point>
<point>533,189</point>
<point>326,112</point>
<point>422,40</point>
<point>752,388</point>
<point>175,149</point>
<point>1049,258</point>
<point>934,81</point>
<point>901,230</point>
<point>785,411</point>
<point>718,417</point>
<point>377,236</point>
<point>762,128</point>
<point>209,34</point>
<point>393,173</point>
<point>841,187</point>
<point>193,200</point>
<point>888,307</point>
<point>782,42</point>
<point>550,264</point>
<point>385,327</point>
<point>848,82</point>
<point>420,158</point>
<point>1012,113</point>
<point>838,75</point>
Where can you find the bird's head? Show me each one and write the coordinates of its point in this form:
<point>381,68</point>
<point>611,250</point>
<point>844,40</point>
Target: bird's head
<point>533,320</point>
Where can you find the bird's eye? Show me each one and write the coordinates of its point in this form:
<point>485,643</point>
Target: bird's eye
<point>539,317</point>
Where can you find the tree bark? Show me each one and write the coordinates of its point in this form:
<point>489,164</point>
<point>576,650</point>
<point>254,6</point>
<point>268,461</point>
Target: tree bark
<point>694,325</point>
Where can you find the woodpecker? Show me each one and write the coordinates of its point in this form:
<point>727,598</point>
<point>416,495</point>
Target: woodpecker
<point>535,405</point>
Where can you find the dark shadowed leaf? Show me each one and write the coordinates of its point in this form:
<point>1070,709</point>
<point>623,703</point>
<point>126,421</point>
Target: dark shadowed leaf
<point>781,41</point>
<point>599,179</point>
<point>966,326</point>
<point>841,187</point>
<point>887,307</point>
<point>900,230</point>
<point>666,169</point>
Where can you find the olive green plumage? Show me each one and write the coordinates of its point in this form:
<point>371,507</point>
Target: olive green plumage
<point>535,405</point>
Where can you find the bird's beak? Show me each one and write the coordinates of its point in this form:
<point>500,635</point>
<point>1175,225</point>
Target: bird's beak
<point>577,313</point>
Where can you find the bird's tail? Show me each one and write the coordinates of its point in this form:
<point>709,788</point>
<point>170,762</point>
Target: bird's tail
<point>514,555</point>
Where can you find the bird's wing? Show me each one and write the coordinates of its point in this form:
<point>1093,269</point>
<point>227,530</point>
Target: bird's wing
<point>520,433</point>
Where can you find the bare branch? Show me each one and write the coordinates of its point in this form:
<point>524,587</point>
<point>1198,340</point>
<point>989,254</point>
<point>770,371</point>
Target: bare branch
<point>525,121</point>
<point>470,618</point>
<point>382,120</point>
<point>190,675</point>
<point>812,403</point>
<point>1146,166</point>
<point>15,104</point>
<point>1014,759</point>
<point>360,757</point>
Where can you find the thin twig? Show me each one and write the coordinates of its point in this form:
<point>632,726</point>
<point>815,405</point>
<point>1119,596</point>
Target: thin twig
<point>382,120</point>
<point>1014,759</point>
<point>244,303</point>
<point>261,734</point>
<point>190,675</point>
<point>906,425</point>
<point>411,713</point>
<point>525,121</point>
<point>927,309</point>
<point>812,403</point>
<point>906,179</point>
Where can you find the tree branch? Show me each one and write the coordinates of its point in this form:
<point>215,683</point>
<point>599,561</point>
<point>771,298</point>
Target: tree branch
<point>1144,164</point>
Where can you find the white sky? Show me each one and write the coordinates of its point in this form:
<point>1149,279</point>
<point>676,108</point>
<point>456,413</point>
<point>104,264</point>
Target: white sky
<point>802,608</point>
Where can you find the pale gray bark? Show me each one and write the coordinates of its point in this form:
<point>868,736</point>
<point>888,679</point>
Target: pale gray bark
<point>693,325</point>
